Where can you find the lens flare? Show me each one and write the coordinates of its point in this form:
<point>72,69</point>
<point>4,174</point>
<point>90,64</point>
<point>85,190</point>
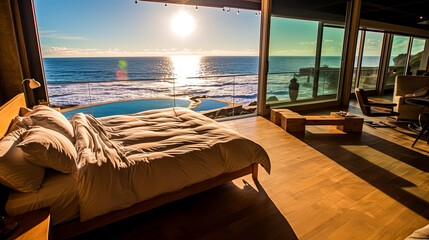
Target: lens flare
<point>123,64</point>
<point>122,73</point>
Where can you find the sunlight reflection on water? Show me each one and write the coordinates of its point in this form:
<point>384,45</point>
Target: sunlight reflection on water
<point>184,67</point>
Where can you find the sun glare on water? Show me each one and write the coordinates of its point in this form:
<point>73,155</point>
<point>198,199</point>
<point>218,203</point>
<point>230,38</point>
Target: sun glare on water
<point>185,67</point>
<point>183,24</point>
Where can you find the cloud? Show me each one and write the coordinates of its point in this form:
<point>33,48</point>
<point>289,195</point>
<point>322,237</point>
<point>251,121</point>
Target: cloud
<point>93,52</point>
<point>399,46</point>
<point>372,44</point>
<point>307,43</point>
<point>292,52</point>
<point>55,35</point>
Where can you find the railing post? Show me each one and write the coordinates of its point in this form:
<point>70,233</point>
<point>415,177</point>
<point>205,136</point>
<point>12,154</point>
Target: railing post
<point>174,92</point>
<point>90,98</point>
<point>233,96</point>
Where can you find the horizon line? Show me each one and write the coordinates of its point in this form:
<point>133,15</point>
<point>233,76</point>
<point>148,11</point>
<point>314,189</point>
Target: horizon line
<point>188,55</point>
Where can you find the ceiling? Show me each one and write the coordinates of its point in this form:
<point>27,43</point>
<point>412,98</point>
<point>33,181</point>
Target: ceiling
<point>242,4</point>
<point>398,12</point>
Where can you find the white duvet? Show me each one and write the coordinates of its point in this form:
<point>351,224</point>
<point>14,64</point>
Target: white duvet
<point>126,159</point>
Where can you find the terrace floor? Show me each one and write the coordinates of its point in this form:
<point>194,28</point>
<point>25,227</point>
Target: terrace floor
<point>324,184</point>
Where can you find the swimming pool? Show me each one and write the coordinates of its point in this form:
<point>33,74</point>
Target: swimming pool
<point>135,106</point>
<point>208,104</point>
<point>127,107</point>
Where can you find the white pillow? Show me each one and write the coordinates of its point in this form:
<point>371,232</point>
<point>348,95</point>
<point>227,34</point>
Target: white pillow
<point>23,111</point>
<point>48,148</point>
<point>15,171</point>
<point>47,117</point>
<point>16,124</point>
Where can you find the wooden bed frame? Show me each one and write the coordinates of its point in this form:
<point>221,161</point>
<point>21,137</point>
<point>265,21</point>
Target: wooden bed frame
<point>11,109</point>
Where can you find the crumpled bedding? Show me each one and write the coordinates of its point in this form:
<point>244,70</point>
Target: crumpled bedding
<point>125,159</point>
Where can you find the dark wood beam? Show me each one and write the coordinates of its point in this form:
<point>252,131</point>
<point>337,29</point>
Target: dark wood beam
<point>392,8</point>
<point>349,50</point>
<point>311,5</point>
<point>241,4</point>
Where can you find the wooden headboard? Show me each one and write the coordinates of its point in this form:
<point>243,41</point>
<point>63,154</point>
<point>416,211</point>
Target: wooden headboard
<point>9,111</point>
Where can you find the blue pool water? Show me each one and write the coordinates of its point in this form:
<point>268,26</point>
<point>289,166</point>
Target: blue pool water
<point>207,104</point>
<point>128,107</point>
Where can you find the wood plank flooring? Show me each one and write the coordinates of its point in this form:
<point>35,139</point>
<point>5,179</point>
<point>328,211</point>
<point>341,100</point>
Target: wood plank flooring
<point>324,184</point>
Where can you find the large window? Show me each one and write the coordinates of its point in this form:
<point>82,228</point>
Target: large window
<point>418,54</point>
<point>304,61</point>
<point>397,60</point>
<point>400,57</point>
<point>330,61</point>
<point>368,74</point>
<point>107,57</point>
<point>291,60</point>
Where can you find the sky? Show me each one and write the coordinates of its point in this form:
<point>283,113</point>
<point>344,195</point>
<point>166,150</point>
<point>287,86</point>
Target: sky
<point>82,28</point>
<point>106,28</point>
<point>292,37</point>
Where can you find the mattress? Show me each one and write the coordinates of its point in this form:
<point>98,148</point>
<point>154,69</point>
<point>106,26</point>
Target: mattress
<point>58,192</point>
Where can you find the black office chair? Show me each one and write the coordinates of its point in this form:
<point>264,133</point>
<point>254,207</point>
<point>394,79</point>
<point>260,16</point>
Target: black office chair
<point>375,109</point>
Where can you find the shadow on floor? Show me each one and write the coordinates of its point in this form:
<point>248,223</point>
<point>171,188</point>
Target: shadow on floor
<point>224,212</point>
<point>331,146</point>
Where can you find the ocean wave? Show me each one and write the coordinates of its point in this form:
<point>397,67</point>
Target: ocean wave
<point>99,92</point>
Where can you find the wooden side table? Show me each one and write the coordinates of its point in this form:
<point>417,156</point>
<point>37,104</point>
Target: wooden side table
<point>352,123</point>
<point>31,225</point>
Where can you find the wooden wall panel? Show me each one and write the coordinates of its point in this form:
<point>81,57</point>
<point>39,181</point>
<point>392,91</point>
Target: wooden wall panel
<point>31,46</point>
<point>10,67</point>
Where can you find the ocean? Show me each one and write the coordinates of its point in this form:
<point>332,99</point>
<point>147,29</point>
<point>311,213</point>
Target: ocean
<point>82,81</point>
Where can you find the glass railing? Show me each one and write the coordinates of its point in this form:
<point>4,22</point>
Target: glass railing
<point>279,91</point>
<point>214,96</point>
<point>328,81</point>
<point>392,72</point>
<point>278,86</point>
<point>368,78</point>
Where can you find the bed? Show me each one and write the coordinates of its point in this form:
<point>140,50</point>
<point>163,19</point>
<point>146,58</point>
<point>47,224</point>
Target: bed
<point>128,164</point>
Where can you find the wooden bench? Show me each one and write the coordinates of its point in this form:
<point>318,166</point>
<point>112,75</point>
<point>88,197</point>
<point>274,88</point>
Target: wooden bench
<point>294,122</point>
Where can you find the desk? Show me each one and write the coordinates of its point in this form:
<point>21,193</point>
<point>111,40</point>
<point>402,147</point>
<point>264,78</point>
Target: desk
<point>423,102</point>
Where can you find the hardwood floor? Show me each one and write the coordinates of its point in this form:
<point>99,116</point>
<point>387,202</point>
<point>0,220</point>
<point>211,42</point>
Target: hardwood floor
<point>324,184</point>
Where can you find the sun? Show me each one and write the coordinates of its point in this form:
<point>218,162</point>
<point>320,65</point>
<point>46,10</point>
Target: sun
<point>183,24</point>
